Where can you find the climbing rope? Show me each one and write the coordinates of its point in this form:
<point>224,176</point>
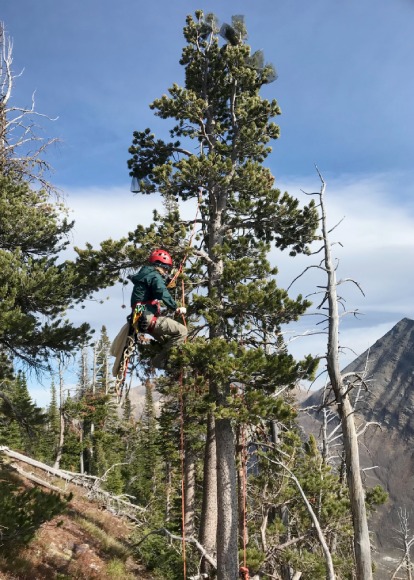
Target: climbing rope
<point>182,441</point>
<point>182,452</point>
<point>190,243</point>
<point>244,571</point>
<point>129,358</point>
<point>182,449</point>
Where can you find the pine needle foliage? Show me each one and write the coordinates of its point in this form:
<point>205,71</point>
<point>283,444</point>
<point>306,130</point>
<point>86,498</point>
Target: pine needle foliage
<point>35,289</point>
<point>220,135</point>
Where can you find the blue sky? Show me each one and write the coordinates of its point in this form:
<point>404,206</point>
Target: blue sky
<point>345,87</point>
<point>345,81</point>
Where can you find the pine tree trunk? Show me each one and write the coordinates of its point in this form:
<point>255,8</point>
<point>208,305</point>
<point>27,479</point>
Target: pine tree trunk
<point>189,490</point>
<point>227,530</point>
<point>227,508</point>
<point>168,486</point>
<point>241,479</point>
<point>286,571</point>
<point>208,523</point>
<point>81,461</point>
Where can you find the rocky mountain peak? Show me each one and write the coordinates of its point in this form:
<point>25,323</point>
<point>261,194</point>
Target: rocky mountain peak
<point>386,448</point>
<point>388,369</point>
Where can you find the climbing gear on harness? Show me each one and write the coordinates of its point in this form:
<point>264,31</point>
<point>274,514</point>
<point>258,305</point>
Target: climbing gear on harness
<point>139,322</point>
<point>161,258</point>
<point>136,315</point>
<point>127,362</point>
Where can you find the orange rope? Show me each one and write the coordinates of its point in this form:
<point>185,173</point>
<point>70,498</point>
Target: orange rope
<point>190,243</point>
<point>182,452</point>
<point>182,475</point>
<point>244,493</point>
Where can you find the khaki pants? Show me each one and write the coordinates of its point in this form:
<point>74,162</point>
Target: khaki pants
<point>169,333</point>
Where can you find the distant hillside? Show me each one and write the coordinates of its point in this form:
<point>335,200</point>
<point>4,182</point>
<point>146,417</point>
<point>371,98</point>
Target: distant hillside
<point>389,401</point>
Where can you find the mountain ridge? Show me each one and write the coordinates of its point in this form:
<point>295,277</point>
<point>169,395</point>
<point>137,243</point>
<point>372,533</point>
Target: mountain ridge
<point>386,402</point>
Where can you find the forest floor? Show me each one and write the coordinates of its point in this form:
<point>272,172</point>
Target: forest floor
<point>84,541</point>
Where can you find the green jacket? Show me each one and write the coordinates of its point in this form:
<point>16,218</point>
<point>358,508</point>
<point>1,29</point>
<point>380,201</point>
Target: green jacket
<point>150,285</point>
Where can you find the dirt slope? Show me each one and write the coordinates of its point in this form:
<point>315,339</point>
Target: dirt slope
<point>84,542</point>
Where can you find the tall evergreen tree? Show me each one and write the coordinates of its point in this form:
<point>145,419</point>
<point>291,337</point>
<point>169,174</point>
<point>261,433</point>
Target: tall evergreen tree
<point>220,140</point>
<point>102,365</point>
<point>35,289</point>
<point>220,109</point>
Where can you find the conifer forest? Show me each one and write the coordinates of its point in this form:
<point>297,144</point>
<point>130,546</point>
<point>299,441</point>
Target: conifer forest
<point>225,481</point>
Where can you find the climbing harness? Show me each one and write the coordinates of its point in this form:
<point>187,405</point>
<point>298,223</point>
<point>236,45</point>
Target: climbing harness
<point>138,310</point>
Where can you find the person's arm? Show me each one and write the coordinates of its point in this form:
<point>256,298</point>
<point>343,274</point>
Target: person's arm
<point>160,292</point>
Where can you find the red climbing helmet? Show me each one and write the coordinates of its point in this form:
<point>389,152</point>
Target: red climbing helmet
<point>161,258</point>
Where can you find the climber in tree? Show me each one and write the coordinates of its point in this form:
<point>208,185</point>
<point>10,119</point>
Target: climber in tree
<point>150,288</point>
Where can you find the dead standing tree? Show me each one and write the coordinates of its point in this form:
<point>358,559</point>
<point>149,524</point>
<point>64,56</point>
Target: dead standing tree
<point>406,540</point>
<point>21,145</point>
<point>341,388</point>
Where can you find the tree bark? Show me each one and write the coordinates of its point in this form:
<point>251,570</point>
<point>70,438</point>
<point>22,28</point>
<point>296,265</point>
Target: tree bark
<point>362,545</point>
<point>227,531</point>
<point>227,508</point>
<point>189,487</point>
<point>208,523</point>
<point>242,483</point>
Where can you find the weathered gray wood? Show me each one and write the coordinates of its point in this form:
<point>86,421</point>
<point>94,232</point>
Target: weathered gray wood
<point>34,463</point>
<point>35,479</point>
<point>119,505</point>
<point>362,545</point>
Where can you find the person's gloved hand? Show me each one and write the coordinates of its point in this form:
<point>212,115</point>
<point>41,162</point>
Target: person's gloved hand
<point>181,310</point>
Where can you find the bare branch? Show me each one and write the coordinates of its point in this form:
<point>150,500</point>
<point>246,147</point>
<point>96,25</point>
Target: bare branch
<point>18,131</point>
<point>353,281</point>
<point>303,273</point>
<point>368,424</point>
<point>335,226</point>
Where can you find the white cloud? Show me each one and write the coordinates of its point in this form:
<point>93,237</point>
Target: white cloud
<point>377,237</point>
<point>103,213</point>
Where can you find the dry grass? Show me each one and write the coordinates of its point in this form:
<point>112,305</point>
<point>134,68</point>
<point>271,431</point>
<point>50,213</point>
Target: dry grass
<point>84,543</point>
